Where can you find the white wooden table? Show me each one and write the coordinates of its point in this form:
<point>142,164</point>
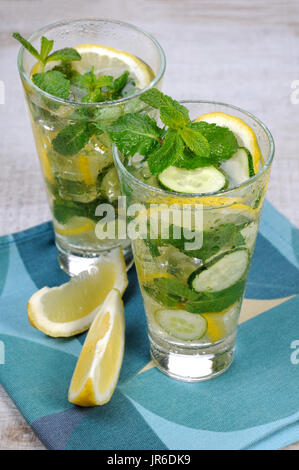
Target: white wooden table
<point>243,52</point>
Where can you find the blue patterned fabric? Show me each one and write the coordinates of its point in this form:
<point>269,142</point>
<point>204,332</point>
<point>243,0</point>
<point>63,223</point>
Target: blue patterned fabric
<point>254,405</point>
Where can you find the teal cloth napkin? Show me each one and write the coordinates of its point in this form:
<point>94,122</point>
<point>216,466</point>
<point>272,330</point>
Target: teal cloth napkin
<point>254,405</point>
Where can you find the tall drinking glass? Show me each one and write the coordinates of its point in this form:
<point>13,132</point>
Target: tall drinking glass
<point>76,184</point>
<point>192,337</point>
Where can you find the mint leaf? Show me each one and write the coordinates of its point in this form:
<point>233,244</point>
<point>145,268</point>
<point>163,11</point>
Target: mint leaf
<point>66,54</point>
<point>167,154</point>
<point>196,142</point>
<point>223,143</point>
<point>64,210</point>
<point>97,88</point>
<point>227,237</point>
<point>191,161</point>
<point>103,81</point>
<point>90,82</point>
<point>71,138</point>
<point>175,288</point>
<point>96,93</point>
<point>27,45</point>
<point>161,296</point>
<point>119,84</point>
<point>53,82</point>
<point>101,88</point>
<point>93,97</point>
<point>134,133</point>
<point>169,292</point>
<point>153,247</point>
<point>218,301</point>
<point>84,81</point>
<point>156,99</point>
<point>81,114</point>
<point>46,47</point>
<point>172,113</point>
<point>153,97</point>
<point>94,128</point>
<point>177,237</point>
<point>66,69</point>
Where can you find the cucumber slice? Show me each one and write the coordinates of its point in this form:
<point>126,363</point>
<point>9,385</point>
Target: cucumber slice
<point>222,273</point>
<point>239,167</point>
<point>201,180</point>
<point>181,324</point>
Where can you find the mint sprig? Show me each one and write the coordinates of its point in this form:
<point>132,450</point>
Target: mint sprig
<point>91,85</point>
<point>55,82</point>
<point>183,143</point>
<point>100,88</point>
<point>46,47</point>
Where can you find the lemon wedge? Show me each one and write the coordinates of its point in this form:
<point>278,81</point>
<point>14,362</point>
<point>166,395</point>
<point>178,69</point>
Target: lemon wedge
<point>70,309</point>
<point>98,367</point>
<point>243,133</point>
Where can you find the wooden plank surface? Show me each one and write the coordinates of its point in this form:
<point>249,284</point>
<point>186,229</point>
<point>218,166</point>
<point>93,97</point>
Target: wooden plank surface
<point>236,51</point>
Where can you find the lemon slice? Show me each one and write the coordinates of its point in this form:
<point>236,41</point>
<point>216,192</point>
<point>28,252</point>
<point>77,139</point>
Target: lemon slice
<point>150,277</point>
<point>98,367</point>
<point>69,309</point>
<point>42,145</point>
<point>215,328</point>
<point>75,226</point>
<point>239,210</point>
<point>220,323</point>
<point>109,61</point>
<point>88,169</point>
<point>235,214</point>
<point>243,133</point>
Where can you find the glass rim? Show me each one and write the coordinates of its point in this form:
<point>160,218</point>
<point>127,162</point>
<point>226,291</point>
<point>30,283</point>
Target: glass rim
<point>44,29</point>
<point>223,192</point>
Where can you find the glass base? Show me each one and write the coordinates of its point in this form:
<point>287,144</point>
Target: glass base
<point>192,364</point>
<point>74,263</point>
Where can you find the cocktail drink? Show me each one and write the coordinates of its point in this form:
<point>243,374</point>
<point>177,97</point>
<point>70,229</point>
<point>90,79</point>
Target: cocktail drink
<point>97,73</point>
<point>194,205</point>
